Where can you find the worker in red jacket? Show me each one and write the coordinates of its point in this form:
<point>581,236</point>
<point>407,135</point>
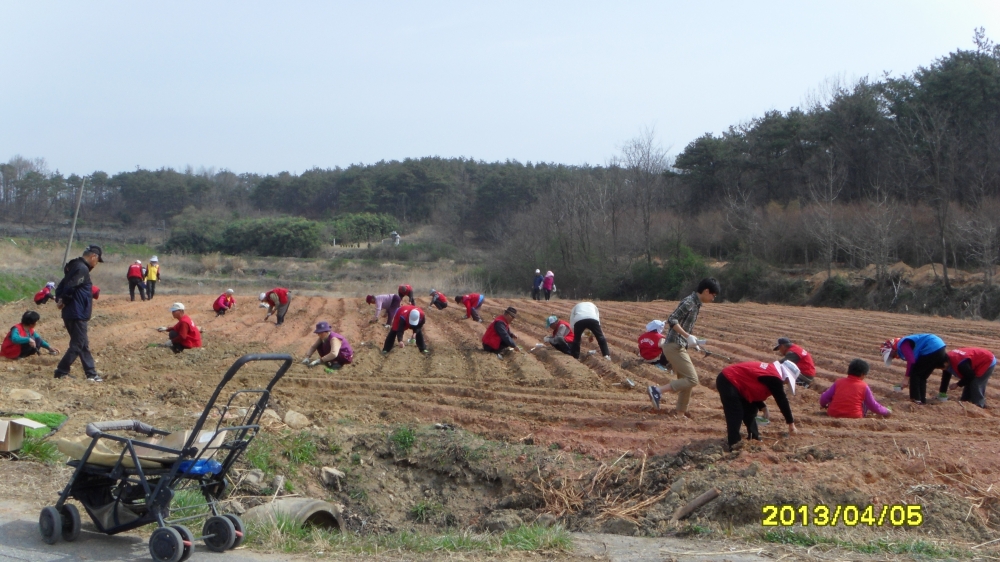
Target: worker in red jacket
<point>802,359</point>
<point>472,303</point>
<point>224,303</point>
<point>23,341</point>
<point>135,276</point>
<point>184,334</point>
<point>406,291</point>
<point>498,336</point>
<point>45,295</point>
<point>439,300</point>
<point>741,385</point>
<point>408,317</point>
<point>277,300</point>
<point>651,345</point>
<point>973,366</point>
<point>562,334</point>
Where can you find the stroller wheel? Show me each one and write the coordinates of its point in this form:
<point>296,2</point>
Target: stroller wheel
<point>70,522</point>
<point>50,525</point>
<point>166,545</point>
<point>219,533</point>
<point>238,525</point>
<point>187,539</point>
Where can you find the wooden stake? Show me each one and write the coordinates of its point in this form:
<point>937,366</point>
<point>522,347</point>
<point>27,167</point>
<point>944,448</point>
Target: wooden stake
<point>694,504</point>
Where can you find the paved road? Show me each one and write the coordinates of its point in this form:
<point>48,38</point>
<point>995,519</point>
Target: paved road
<point>20,541</point>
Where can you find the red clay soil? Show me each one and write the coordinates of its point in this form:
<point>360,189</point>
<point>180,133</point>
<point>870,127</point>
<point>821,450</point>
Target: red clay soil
<point>545,395</point>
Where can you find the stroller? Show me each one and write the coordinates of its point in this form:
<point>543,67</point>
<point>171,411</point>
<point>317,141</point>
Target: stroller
<point>126,489</point>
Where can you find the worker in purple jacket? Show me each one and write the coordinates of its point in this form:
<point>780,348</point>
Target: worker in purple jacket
<point>388,303</point>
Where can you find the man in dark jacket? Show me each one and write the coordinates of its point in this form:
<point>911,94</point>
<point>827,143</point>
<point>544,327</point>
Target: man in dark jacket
<point>75,299</point>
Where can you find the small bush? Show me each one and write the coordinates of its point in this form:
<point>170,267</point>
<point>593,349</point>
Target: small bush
<point>403,438</point>
<point>362,227</point>
<point>834,292</point>
<point>40,450</point>
<point>300,448</point>
<point>423,512</point>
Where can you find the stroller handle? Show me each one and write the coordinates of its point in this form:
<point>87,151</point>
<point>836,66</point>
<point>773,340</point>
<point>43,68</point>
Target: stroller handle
<point>95,428</point>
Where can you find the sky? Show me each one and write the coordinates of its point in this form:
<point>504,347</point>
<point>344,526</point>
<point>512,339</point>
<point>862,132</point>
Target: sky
<point>267,87</point>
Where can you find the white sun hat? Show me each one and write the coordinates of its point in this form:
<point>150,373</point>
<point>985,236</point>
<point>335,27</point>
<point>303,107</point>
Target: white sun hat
<point>789,371</point>
<point>655,326</point>
<point>176,306</point>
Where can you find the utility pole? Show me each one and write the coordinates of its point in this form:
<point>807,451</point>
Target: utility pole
<point>76,215</point>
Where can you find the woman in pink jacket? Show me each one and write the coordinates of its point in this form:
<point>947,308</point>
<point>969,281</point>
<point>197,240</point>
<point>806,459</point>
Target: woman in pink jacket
<point>549,284</point>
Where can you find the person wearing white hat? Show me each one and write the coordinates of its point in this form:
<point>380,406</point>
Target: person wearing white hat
<point>651,345</point>
<point>277,300</point>
<point>536,285</point>
<point>562,334</point>
<point>549,284</point>
<point>184,334</point>
<point>742,386</point>
<point>224,303</point>
<point>135,276</point>
<point>45,295</point>
<point>408,317</point>
<point>152,276</point>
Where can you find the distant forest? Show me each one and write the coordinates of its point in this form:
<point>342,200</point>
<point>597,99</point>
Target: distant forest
<point>881,170</point>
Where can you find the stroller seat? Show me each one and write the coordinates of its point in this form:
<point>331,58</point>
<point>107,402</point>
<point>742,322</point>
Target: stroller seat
<point>103,454</point>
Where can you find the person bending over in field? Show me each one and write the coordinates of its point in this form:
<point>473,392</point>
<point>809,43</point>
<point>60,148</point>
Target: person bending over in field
<point>850,396</point>
<point>334,349</point>
<point>184,334</point>
<point>586,318</point>
<point>277,300</point>
<point>562,334</point>
<point>923,354</point>
<point>973,366</point>
<point>743,387</point>
<point>498,336</point>
<point>23,341</point>
<point>439,300</point>
<point>388,303</point>
<point>473,302</point>
<point>802,359</point>
<point>679,338</point>
<point>408,317</point>
<point>651,345</point>
<point>45,295</point>
<point>224,303</point>
<point>405,292</point>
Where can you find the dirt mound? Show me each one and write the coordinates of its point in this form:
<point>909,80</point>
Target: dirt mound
<point>582,412</point>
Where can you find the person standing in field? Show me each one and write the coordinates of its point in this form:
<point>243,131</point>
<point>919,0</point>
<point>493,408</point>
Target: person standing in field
<point>135,280</point>
<point>923,354</point>
<point>408,317</point>
<point>549,284</point>
<point>23,341</point>
<point>334,349</point>
<point>562,334</point>
<point>803,360</point>
<point>406,292</point>
<point>388,303</point>
<point>45,295</point>
<point>152,276</point>
<point>224,303</point>
<point>651,345</point>
<point>584,317</point>
<point>473,302</point>
<point>681,323</point>
<point>973,366</point>
<point>439,300</point>
<point>743,387</point>
<point>498,336</point>
<point>75,298</point>
<point>184,334</point>
<point>536,285</point>
<point>277,300</point>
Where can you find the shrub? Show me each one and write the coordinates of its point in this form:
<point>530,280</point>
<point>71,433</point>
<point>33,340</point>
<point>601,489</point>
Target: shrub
<point>834,292</point>
<point>362,227</point>
<point>403,438</point>
<point>284,236</point>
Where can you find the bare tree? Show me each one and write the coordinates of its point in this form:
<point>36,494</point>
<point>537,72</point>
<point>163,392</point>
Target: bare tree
<point>644,163</point>
<point>824,192</point>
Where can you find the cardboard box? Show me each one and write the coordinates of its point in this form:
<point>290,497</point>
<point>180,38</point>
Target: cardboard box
<point>12,433</point>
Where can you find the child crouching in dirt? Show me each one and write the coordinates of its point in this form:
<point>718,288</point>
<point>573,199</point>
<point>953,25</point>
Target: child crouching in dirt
<point>184,334</point>
<point>22,340</point>
<point>850,397</point>
<point>651,345</point>
<point>334,349</point>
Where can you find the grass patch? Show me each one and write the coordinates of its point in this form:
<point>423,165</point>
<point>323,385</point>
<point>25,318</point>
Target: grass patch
<point>423,512</point>
<point>912,547</point>
<point>16,287</point>
<point>262,454</point>
<point>403,438</point>
<point>299,448</point>
<point>51,419</point>
<point>286,536</point>
<point>35,448</point>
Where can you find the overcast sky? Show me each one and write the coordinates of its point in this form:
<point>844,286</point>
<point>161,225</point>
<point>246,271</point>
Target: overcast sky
<point>272,86</point>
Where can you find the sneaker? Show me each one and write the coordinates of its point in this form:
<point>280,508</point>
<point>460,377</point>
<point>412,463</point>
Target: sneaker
<point>412,341</point>
<point>499,355</point>
<point>59,375</point>
<point>942,397</point>
<point>592,352</point>
<point>654,396</point>
<point>660,367</point>
<point>426,352</point>
<point>333,369</point>
<point>384,353</point>
<point>608,357</point>
<point>95,378</point>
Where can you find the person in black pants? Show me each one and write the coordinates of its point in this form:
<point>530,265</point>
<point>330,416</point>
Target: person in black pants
<point>74,296</point>
<point>743,387</point>
<point>583,317</point>
<point>410,317</point>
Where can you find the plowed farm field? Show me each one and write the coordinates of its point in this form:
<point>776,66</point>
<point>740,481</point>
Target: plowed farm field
<point>942,455</point>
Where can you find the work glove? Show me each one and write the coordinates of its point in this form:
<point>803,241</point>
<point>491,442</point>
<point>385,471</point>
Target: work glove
<point>305,361</point>
<point>692,340</point>
<point>161,329</point>
<point>315,362</point>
